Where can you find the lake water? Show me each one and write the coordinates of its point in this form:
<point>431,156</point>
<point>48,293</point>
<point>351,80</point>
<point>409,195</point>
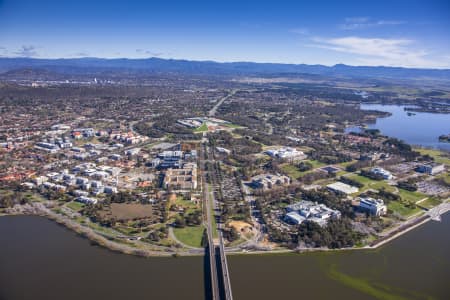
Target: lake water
<point>420,129</point>
<point>42,260</point>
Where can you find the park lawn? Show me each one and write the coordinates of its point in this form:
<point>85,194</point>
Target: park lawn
<point>430,202</point>
<point>190,235</point>
<point>231,125</point>
<point>76,206</point>
<point>438,156</point>
<point>401,209</point>
<point>372,184</point>
<point>292,171</point>
<point>213,219</point>
<point>202,128</point>
<point>188,205</point>
<point>315,163</point>
<point>445,176</point>
<point>345,164</point>
<point>363,180</point>
<point>378,185</point>
<point>411,196</point>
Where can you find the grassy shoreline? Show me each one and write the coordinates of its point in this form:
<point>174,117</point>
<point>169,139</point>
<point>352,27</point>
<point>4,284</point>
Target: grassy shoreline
<point>114,246</point>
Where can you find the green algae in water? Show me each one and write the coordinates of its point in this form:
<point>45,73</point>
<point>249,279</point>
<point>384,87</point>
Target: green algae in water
<point>374,289</point>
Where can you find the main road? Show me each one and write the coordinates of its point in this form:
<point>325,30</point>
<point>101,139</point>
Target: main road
<point>215,291</point>
<point>220,277</point>
<point>213,110</point>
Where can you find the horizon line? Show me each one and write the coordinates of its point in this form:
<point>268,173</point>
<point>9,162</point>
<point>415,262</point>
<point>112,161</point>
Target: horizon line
<point>221,62</point>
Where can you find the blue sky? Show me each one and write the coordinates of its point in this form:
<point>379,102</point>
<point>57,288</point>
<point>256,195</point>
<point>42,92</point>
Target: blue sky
<point>392,33</point>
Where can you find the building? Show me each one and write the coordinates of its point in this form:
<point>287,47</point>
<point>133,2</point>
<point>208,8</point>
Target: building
<point>223,150</point>
<point>341,187</point>
<point>431,168</point>
<point>382,172</point>
<point>170,159</point>
<point>301,211</point>
<point>131,152</point>
<point>269,181</point>
<point>375,207</point>
<point>286,153</point>
<point>294,217</point>
<point>181,179</point>
<point>86,200</point>
<point>191,122</point>
<point>115,157</point>
<point>373,156</point>
<point>40,180</point>
<point>49,147</point>
<point>110,190</point>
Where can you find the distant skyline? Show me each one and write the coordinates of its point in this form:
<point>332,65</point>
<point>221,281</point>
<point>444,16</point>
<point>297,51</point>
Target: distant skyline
<point>391,33</point>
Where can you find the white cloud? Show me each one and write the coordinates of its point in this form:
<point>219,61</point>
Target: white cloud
<point>80,54</point>
<point>27,51</point>
<point>379,51</point>
<point>366,22</point>
<point>148,52</point>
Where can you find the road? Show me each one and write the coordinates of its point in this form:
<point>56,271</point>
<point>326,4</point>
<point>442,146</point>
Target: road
<point>218,258</point>
<point>208,223</point>
<point>213,110</point>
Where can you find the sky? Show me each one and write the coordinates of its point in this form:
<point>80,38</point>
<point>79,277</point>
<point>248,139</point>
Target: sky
<point>391,33</point>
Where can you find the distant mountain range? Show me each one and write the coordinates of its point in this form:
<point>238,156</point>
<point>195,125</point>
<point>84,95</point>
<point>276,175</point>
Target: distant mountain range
<point>92,66</point>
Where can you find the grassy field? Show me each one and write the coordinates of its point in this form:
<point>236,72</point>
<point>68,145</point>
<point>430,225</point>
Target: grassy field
<point>445,176</point>
<point>231,125</point>
<point>315,163</point>
<point>128,211</point>
<point>378,185</point>
<point>76,206</point>
<point>345,164</point>
<point>202,128</point>
<point>190,235</point>
<point>411,196</point>
<point>401,209</point>
<point>292,171</point>
<point>372,184</point>
<point>188,205</point>
<point>213,219</point>
<point>430,202</point>
<point>439,156</point>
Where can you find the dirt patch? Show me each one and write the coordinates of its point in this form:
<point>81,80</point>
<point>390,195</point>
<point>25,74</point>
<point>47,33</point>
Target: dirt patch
<point>240,226</point>
<point>128,211</point>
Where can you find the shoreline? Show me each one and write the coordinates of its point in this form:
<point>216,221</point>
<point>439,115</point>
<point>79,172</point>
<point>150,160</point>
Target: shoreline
<point>114,246</point>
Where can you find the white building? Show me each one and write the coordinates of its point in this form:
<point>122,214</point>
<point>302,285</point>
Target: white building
<point>286,153</point>
<point>87,200</point>
<point>223,150</point>
<point>375,207</point>
<point>311,211</point>
<point>294,217</point>
<point>40,180</point>
<point>342,188</point>
<point>382,172</point>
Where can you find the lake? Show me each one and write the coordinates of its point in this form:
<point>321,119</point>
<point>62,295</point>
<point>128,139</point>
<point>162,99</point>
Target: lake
<point>421,129</point>
<point>42,260</point>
